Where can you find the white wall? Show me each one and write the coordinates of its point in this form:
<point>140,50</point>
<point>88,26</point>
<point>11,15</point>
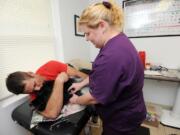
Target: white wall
<point>160,50</point>
<point>163,51</point>
<point>160,92</point>
<point>73,46</point>
<point>57,30</point>
<point>8,126</point>
<point>68,46</point>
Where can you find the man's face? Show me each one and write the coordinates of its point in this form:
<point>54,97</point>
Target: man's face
<point>32,84</point>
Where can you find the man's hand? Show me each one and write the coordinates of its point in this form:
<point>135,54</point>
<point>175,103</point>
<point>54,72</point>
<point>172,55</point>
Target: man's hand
<point>62,77</point>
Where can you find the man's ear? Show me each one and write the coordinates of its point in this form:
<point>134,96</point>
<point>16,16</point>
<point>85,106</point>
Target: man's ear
<point>31,74</point>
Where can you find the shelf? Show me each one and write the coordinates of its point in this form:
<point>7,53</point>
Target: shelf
<point>169,118</point>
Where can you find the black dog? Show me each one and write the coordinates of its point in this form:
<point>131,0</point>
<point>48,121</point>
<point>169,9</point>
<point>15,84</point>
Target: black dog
<point>43,95</point>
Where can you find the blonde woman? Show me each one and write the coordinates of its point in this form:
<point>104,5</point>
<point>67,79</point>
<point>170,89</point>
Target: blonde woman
<point>117,76</point>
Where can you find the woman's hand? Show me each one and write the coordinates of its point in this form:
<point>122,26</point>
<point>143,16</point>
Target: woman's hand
<point>75,87</point>
<point>73,99</point>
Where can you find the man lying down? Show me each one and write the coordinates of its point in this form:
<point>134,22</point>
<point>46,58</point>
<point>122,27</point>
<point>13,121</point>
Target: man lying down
<point>47,88</point>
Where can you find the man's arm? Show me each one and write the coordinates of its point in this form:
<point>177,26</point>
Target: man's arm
<point>55,102</point>
<point>74,72</point>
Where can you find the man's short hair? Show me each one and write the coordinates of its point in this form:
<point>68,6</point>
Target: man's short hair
<point>14,82</point>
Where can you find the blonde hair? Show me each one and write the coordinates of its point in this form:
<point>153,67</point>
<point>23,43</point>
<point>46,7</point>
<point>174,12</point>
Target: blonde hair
<point>110,13</point>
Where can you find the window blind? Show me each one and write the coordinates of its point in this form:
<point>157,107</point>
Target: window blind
<point>26,39</point>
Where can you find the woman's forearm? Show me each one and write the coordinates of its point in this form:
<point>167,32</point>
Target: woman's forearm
<point>85,82</point>
<point>86,99</point>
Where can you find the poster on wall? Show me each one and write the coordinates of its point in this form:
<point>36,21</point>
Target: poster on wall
<point>151,18</point>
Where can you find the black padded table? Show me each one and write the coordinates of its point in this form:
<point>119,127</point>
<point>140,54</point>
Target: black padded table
<point>71,125</point>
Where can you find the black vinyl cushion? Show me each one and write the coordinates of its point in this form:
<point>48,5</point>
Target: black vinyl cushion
<point>22,114</point>
<point>71,125</point>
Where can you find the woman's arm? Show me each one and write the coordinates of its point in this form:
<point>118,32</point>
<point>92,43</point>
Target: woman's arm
<point>55,102</point>
<point>85,99</point>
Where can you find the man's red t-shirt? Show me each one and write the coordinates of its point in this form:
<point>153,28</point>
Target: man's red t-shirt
<point>50,70</point>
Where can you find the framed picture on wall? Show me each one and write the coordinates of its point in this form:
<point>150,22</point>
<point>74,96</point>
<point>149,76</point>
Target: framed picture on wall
<point>77,33</point>
<point>151,18</point>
